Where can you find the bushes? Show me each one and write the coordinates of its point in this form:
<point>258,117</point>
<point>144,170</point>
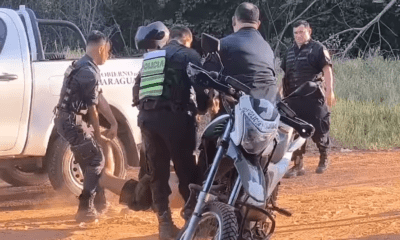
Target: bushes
<point>367,114</point>
<point>366,125</point>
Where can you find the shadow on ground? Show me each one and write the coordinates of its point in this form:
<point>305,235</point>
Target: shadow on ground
<point>377,237</point>
<point>34,234</point>
<point>150,237</point>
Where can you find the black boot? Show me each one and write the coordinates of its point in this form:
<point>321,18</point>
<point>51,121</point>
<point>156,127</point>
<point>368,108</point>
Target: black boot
<point>86,211</point>
<point>100,202</point>
<point>297,169</point>
<point>323,163</point>
<point>166,227</point>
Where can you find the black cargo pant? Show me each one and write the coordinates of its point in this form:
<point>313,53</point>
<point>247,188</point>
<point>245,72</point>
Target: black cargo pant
<point>168,135</point>
<point>86,151</point>
<point>315,112</point>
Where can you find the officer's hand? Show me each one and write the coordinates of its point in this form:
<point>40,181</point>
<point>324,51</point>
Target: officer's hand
<point>111,133</point>
<point>330,99</point>
<point>103,141</point>
<point>214,108</point>
<point>230,99</point>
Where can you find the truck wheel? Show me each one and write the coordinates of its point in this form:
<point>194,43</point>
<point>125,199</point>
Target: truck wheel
<point>18,176</point>
<point>64,172</point>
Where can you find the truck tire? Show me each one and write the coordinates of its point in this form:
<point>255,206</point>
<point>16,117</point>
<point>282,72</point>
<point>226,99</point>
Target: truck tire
<point>16,176</point>
<point>65,174</point>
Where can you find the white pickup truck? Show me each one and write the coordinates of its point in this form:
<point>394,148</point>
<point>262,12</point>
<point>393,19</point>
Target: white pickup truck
<point>30,81</point>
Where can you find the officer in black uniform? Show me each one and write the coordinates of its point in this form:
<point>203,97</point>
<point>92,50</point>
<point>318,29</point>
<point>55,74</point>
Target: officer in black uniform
<point>246,56</point>
<point>81,95</point>
<point>167,115</point>
<point>308,60</point>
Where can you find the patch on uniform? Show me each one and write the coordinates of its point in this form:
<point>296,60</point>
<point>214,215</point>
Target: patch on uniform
<point>326,53</point>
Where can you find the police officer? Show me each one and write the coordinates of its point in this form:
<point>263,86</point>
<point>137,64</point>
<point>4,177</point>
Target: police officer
<point>167,115</point>
<point>309,60</point>
<point>246,56</point>
<point>81,95</point>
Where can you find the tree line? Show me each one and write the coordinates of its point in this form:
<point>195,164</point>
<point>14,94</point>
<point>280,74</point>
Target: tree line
<point>347,28</point>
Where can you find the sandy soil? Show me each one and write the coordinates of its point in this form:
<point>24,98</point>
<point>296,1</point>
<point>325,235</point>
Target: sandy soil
<point>357,198</point>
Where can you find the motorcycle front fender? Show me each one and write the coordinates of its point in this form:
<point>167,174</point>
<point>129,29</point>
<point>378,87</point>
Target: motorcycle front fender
<point>251,175</point>
<point>216,127</point>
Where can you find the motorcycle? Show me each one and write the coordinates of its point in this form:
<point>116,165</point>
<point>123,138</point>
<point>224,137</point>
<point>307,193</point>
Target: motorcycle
<point>255,140</point>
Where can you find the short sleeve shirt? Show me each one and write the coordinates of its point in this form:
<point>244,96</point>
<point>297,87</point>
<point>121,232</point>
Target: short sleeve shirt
<point>318,57</point>
<point>87,81</point>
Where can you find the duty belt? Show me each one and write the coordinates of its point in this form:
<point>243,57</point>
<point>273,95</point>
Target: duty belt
<point>153,104</point>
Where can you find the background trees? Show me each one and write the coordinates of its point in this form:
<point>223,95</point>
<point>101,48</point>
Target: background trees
<point>348,28</point>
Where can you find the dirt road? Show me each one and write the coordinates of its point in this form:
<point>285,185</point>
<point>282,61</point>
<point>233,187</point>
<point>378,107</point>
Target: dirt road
<point>358,198</point>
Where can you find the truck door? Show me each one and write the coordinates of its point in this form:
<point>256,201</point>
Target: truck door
<point>13,90</point>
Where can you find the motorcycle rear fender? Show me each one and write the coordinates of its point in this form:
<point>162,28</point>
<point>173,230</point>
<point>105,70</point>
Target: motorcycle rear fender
<point>252,176</point>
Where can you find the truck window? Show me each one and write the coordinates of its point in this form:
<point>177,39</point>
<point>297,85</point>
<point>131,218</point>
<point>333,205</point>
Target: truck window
<point>60,43</point>
<point>3,34</point>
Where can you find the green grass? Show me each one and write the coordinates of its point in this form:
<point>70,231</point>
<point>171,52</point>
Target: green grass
<point>373,79</point>
<point>367,114</point>
<point>74,54</point>
<point>366,125</point>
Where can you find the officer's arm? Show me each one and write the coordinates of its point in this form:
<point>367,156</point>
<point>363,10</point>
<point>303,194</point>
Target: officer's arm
<point>328,77</point>
<point>136,88</point>
<point>325,62</point>
<point>90,95</point>
<point>330,96</point>
<point>280,86</point>
<point>94,121</point>
<point>283,67</point>
<point>104,108</point>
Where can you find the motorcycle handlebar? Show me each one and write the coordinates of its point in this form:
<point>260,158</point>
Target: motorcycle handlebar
<point>236,84</point>
<point>217,81</point>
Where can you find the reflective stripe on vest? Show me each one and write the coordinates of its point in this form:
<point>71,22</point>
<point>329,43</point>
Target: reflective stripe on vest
<point>152,79</point>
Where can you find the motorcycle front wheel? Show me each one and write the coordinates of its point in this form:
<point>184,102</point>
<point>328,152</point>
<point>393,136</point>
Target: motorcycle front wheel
<point>217,222</point>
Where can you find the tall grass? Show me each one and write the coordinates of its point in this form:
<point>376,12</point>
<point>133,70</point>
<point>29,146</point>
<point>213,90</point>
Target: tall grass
<point>367,114</point>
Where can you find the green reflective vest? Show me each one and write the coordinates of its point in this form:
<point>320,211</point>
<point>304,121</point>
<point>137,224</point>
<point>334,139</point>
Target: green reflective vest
<point>153,74</point>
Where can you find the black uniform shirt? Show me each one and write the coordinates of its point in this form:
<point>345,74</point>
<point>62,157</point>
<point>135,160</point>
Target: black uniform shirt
<point>86,81</point>
<point>178,57</point>
<point>248,57</point>
<point>183,56</point>
<point>318,57</point>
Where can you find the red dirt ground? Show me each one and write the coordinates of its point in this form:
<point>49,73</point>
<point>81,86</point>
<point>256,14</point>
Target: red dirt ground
<point>357,198</point>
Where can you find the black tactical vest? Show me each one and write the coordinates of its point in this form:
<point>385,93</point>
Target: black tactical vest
<point>298,68</point>
<point>163,79</point>
<point>71,101</point>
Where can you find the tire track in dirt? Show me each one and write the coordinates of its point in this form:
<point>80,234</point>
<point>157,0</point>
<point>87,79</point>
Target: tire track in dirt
<point>357,198</point>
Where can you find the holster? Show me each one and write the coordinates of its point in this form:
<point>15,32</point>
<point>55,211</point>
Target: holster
<point>319,79</point>
<point>85,151</point>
